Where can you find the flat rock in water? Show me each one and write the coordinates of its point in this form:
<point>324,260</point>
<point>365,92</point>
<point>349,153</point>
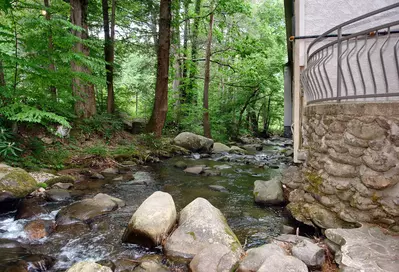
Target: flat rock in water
<point>64,186</point>
<point>223,166</point>
<point>220,148</point>
<point>237,150</point>
<point>57,195</point>
<point>84,210</point>
<point>281,263</point>
<point>218,188</point>
<point>255,257</point>
<point>200,225</point>
<point>150,266</point>
<point>193,142</point>
<point>105,197</point>
<point>110,171</point>
<point>196,170</point>
<point>96,175</point>
<point>269,192</point>
<point>88,267</point>
<point>152,221</point>
<point>365,249</point>
<point>310,253</point>
<point>39,229</point>
<point>60,179</point>
<point>211,173</point>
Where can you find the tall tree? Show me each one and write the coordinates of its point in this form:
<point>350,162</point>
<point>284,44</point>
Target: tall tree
<point>2,78</point>
<point>85,104</point>
<point>206,123</point>
<point>160,109</point>
<point>109,52</point>
<point>192,86</point>
<point>53,89</point>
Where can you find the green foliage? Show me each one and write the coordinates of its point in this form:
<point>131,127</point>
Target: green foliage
<point>42,185</point>
<point>149,139</point>
<point>97,150</point>
<point>8,148</point>
<point>125,150</point>
<point>104,125</point>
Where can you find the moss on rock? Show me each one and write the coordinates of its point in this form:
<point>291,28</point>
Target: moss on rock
<point>16,181</point>
<point>61,179</point>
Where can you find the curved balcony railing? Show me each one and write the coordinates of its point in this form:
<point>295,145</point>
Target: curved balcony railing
<point>360,66</point>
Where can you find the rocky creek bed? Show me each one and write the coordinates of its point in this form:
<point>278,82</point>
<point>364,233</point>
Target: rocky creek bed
<point>46,244</point>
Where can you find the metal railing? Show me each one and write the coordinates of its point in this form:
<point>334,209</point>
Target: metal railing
<point>359,66</point>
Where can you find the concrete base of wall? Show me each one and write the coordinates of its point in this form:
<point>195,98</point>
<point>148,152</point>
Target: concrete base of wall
<point>352,166</point>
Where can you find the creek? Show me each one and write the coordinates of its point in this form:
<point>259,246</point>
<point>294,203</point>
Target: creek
<point>101,240</point>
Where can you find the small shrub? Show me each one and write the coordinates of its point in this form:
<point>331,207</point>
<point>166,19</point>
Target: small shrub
<point>42,185</point>
<point>97,150</point>
<point>104,125</point>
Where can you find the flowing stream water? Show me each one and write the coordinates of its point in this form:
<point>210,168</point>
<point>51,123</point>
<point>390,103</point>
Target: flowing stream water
<point>101,240</point>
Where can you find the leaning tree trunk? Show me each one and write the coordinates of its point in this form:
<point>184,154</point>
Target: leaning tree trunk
<point>109,53</point>
<point>158,117</point>
<point>53,89</point>
<point>206,123</point>
<point>85,104</point>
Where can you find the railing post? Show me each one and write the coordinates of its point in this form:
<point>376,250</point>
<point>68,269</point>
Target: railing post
<point>339,63</point>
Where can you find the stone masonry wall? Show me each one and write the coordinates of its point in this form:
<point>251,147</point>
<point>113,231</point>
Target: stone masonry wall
<point>351,172</point>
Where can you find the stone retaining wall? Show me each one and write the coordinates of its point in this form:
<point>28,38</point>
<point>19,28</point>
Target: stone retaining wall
<point>351,172</point>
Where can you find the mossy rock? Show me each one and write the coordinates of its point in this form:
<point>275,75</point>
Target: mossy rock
<point>16,181</point>
<point>61,179</point>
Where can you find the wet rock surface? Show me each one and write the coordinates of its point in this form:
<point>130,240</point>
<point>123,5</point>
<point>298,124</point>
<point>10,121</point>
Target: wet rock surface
<point>193,142</point>
<point>365,249</point>
<point>269,192</point>
<point>152,221</point>
<point>200,225</point>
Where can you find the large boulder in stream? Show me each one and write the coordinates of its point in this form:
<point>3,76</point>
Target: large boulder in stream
<point>86,209</point>
<point>16,181</point>
<point>193,142</point>
<point>152,221</point>
<point>269,192</point>
<point>255,257</point>
<point>200,225</point>
<point>88,267</point>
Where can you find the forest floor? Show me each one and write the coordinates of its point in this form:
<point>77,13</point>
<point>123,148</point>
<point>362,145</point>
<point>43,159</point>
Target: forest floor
<point>93,149</point>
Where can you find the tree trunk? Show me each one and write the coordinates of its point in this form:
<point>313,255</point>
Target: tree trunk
<point>53,89</point>
<point>85,104</point>
<point>192,86</point>
<point>176,66</point>
<point>109,38</point>
<point>184,91</point>
<point>206,123</point>
<point>158,117</point>
<point>254,94</point>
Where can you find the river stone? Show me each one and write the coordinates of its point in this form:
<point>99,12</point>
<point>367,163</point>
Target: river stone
<point>269,192</point>
<point>96,175</point>
<point>237,150</point>
<point>281,263</point>
<point>308,252</point>
<point>29,208</point>
<point>255,257</point>
<point>38,229</point>
<point>152,221</point>
<point>193,142</point>
<point>366,248</point>
<point>252,147</point>
<point>35,262</point>
<point>16,181</point>
<point>57,195</point>
<point>218,188</point>
<point>60,179</point>
<point>84,210</point>
<point>105,197</point>
<point>88,267</point>
<point>110,171</point>
<point>196,170</point>
<point>220,148</point>
<point>64,186</point>
<point>200,225</point>
<point>42,177</point>
<point>150,266</point>
<point>214,258</point>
